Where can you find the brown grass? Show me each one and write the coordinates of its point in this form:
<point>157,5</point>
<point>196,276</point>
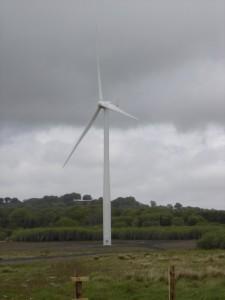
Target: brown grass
<point>209,272</point>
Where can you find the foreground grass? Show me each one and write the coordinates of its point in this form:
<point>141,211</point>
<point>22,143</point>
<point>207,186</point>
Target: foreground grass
<point>132,275</point>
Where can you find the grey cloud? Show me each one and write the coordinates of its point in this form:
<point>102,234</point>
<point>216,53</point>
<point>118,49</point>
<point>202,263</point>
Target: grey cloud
<point>151,162</point>
<point>162,60</point>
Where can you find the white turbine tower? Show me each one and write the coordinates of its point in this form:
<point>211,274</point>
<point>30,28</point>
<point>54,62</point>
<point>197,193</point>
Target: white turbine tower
<point>106,107</point>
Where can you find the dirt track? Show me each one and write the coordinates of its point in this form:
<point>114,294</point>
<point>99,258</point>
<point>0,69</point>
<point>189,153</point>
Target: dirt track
<point>17,253</point>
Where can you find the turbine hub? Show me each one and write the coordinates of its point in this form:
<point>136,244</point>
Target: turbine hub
<point>103,104</point>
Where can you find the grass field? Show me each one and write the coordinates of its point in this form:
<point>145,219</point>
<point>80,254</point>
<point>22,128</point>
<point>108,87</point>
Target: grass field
<point>125,271</point>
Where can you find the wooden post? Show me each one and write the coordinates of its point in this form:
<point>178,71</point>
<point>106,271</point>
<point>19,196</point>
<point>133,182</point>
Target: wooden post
<point>78,289</point>
<point>78,280</point>
<point>172,283</point>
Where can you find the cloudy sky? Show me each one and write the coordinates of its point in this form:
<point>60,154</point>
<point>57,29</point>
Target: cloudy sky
<point>163,61</point>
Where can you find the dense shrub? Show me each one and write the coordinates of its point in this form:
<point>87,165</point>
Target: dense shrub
<point>212,240</point>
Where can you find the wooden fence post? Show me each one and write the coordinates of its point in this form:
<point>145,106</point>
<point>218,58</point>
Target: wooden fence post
<point>78,280</point>
<point>172,283</point>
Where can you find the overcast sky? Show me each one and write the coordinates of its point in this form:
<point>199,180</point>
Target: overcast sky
<point>163,61</point>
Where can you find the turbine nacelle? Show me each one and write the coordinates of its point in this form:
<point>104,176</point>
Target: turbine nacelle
<point>103,104</point>
<point>113,107</point>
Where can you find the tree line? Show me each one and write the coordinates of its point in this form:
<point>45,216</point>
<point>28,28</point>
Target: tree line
<point>130,219</point>
<point>68,210</point>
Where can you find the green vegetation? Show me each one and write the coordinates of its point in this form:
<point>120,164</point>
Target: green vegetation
<point>212,240</point>
<point>56,234</point>
<point>159,233</point>
<point>140,274</point>
<point>91,234</point>
<point>2,235</point>
<point>124,272</point>
<point>53,218</point>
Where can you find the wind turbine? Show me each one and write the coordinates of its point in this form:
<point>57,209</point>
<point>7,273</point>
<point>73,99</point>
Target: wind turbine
<point>106,107</point>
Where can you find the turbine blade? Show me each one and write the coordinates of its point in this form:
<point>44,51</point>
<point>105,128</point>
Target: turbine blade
<point>100,93</point>
<point>82,135</point>
<point>113,107</point>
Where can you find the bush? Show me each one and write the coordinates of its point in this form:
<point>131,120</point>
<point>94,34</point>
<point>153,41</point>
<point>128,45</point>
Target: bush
<point>212,240</point>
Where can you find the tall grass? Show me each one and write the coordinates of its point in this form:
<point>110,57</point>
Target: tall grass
<point>91,234</point>
<point>56,234</point>
<point>159,233</point>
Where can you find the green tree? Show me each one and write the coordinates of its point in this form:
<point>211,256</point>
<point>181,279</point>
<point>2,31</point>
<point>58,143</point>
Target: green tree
<point>178,206</point>
<point>22,217</point>
<point>194,220</point>
<point>165,219</point>
<point>69,198</point>
<point>153,203</point>
<point>66,222</point>
<point>178,221</point>
<point>150,219</point>
<point>87,197</point>
<point>78,213</point>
